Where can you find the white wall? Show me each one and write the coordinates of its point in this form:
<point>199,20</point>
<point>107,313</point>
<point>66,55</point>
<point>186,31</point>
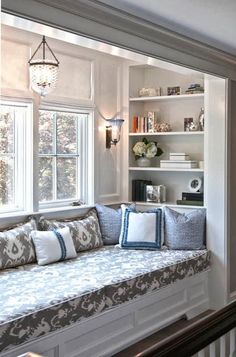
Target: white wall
<point>86,78</point>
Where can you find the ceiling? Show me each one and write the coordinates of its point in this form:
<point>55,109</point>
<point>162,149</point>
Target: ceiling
<point>210,21</point>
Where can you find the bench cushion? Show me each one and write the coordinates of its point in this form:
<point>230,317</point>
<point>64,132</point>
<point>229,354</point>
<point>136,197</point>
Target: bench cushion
<point>31,306</point>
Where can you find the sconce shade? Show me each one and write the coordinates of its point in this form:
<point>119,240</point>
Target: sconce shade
<point>43,72</point>
<point>113,131</point>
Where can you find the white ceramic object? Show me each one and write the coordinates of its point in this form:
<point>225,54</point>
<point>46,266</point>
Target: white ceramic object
<point>143,162</point>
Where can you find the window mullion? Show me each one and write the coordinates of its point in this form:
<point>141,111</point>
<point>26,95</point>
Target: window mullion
<point>78,176</point>
<point>55,157</point>
<point>19,161</point>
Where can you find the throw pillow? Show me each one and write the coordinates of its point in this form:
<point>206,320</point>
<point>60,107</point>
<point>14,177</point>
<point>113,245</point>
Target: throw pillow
<point>16,246</point>
<point>141,230</point>
<point>53,246</point>
<point>110,223</point>
<point>85,231</point>
<point>185,230</point>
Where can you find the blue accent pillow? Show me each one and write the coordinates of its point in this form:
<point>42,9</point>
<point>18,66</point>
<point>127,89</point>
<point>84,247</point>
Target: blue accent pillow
<point>141,230</point>
<point>185,231</point>
<point>110,223</point>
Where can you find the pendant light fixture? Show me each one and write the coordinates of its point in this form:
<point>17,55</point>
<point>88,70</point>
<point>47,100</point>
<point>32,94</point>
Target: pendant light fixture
<point>43,72</point>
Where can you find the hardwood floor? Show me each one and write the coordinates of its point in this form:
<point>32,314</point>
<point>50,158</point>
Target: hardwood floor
<point>137,348</point>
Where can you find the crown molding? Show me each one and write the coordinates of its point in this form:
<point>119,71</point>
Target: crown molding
<point>94,19</point>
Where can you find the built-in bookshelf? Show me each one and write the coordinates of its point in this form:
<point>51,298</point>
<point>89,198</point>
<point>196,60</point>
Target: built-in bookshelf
<point>170,109</point>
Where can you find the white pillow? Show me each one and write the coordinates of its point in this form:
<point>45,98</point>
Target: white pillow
<point>141,230</point>
<point>53,246</point>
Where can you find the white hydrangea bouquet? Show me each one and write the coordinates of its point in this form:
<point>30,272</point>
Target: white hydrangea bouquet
<point>145,148</point>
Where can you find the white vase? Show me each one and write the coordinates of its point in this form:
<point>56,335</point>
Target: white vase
<point>144,162</point>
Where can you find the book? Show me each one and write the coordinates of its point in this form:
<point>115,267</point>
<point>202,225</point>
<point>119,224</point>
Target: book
<point>189,203</point>
<point>139,189</point>
<point>152,121</point>
<point>178,164</point>
<point>178,157</point>
<point>195,196</point>
<point>135,124</point>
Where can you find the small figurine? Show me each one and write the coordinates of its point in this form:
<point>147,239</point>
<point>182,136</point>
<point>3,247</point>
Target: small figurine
<point>201,120</point>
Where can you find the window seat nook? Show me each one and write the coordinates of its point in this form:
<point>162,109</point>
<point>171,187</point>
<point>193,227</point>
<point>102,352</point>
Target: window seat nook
<point>39,302</point>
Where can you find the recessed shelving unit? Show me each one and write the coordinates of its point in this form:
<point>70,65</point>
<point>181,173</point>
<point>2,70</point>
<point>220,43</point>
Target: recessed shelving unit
<point>170,109</point>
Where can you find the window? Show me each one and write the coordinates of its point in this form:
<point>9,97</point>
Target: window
<point>13,177</point>
<point>57,171</point>
<point>62,156</point>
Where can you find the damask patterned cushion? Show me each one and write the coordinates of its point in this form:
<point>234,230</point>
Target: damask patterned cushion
<point>141,230</point>
<point>110,223</point>
<point>85,231</point>
<point>185,230</point>
<point>53,246</point>
<point>16,246</point>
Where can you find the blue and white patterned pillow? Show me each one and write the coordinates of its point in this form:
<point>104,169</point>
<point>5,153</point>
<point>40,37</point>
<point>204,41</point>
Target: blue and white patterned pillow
<point>110,223</point>
<point>141,230</point>
<point>185,231</point>
<point>53,246</point>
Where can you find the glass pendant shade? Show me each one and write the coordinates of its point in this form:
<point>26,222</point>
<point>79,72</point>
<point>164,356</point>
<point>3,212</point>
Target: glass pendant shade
<point>43,72</point>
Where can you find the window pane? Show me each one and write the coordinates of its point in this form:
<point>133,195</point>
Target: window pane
<point>46,132</point>
<point>6,130</point>
<point>6,181</point>
<point>66,133</point>
<point>45,179</point>
<point>66,178</point>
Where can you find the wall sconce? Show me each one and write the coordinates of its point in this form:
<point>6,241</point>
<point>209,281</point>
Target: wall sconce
<point>113,131</point>
<point>43,72</point>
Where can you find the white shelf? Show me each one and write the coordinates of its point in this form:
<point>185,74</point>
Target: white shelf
<point>168,133</point>
<point>137,168</point>
<point>169,204</point>
<point>167,97</point>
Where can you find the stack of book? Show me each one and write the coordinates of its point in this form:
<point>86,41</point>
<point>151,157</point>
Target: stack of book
<point>178,161</point>
<point>144,124</point>
<point>139,189</point>
<point>194,89</point>
<point>191,199</point>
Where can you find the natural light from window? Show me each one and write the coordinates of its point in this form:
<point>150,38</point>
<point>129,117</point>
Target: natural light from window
<point>60,146</point>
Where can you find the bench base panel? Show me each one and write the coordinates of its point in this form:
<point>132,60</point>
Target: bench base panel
<point>117,328</point>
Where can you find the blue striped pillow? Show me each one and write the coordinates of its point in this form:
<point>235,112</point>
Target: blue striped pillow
<point>141,230</point>
<point>53,246</point>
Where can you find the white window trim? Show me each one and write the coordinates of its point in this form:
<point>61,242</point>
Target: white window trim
<point>85,161</point>
<point>24,156</point>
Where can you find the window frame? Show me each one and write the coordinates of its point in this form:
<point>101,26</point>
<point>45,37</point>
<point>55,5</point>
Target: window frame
<point>23,153</point>
<point>84,157</point>
<point>30,158</point>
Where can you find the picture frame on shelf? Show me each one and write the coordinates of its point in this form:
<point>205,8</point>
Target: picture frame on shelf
<point>156,193</point>
<point>174,90</point>
<point>152,194</point>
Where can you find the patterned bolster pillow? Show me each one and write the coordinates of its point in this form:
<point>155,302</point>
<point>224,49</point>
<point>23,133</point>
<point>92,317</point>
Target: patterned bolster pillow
<point>85,231</point>
<point>16,246</point>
